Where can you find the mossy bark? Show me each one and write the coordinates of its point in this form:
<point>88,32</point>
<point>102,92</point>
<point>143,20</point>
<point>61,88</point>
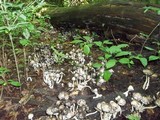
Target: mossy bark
<point>127,17</point>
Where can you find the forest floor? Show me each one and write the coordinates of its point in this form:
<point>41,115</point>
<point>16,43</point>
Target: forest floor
<point>36,97</point>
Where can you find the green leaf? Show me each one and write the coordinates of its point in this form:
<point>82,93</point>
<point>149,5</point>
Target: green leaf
<point>98,43</point>
<point>107,75</point>
<point>86,49</point>
<point>87,38</point>
<point>23,17</point>
<point>3,70</point>
<point>114,49</point>
<point>108,42</point>
<point>25,42</point>
<point>100,58</point>
<point>144,61</point>
<point>123,45</point>
<point>107,56</point>
<point>123,53</point>
<point>97,65</point>
<point>2,82</point>
<point>111,63</point>
<point>26,33</point>
<point>14,83</point>
<point>77,41</point>
<point>149,48</point>
<point>124,60</point>
<point>153,57</point>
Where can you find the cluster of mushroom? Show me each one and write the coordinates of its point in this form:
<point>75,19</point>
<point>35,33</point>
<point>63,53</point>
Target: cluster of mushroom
<point>42,58</point>
<point>66,109</point>
<point>110,110</point>
<point>77,57</point>
<point>51,77</point>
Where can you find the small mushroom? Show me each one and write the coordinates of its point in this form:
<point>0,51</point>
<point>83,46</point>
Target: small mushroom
<point>130,88</point>
<point>115,109</point>
<point>63,95</point>
<point>137,96</point>
<point>146,100</point>
<point>52,111</point>
<point>81,102</point>
<point>120,101</point>
<point>157,102</point>
<point>95,91</point>
<point>148,74</point>
<point>137,106</point>
<point>106,107</point>
<point>30,116</point>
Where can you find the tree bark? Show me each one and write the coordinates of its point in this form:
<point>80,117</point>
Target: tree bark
<point>126,17</point>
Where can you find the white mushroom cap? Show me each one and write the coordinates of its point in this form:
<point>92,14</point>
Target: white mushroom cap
<point>147,72</point>
<point>137,96</point>
<point>157,102</point>
<point>30,116</point>
<point>130,88</point>
<point>63,95</point>
<point>106,107</point>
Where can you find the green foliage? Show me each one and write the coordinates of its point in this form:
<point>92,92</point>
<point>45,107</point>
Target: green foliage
<point>133,117</point>
<point>85,43</point>
<point>155,9</point>
<point>3,72</point>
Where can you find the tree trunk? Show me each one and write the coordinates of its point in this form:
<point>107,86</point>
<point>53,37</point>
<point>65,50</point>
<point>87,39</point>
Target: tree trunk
<point>126,17</point>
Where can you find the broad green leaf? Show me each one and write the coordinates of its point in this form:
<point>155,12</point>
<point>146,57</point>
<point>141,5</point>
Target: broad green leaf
<point>100,58</point>
<point>25,42</point>
<point>123,53</point>
<point>149,48</point>
<point>111,63</point>
<point>86,49</point>
<point>144,61</point>
<point>97,65</point>
<point>107,75</point>
<point>77,41</point>
<point>114,49</point>
<point>98,43</point>
<point>107,56</point>
<point>152,58</point>
<point>124,60</point>
<point>87,38</point>
<point>14,83</point>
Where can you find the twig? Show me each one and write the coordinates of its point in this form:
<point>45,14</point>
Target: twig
<point>149,36</point>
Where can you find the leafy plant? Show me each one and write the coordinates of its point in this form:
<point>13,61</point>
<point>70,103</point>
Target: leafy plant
<point>133,117</point>
<point>19,24</point>
<point>85,43</point>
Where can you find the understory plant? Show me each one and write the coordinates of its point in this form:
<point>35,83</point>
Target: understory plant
<point>20,26</point>
<point>4,81</point>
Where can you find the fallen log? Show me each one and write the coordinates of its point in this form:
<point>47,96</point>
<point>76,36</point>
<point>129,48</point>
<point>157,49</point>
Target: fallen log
<point>127,17</point>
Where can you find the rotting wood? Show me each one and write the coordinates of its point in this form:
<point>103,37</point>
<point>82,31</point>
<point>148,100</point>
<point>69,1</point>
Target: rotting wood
<point>126,17</point>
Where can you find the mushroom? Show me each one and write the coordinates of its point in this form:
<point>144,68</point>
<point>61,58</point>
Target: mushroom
<point>120,100</point>
<point>130,88</point>
<point>148,74</point>
<point>115,109</point>
<point>63,95</point>
<point>137,96</point>
<point>106,107</point>
<point>52,111</point>
<point>95,91</point>
<point>30,116</point>
<point>157,102</point>
<point>146,100</point>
